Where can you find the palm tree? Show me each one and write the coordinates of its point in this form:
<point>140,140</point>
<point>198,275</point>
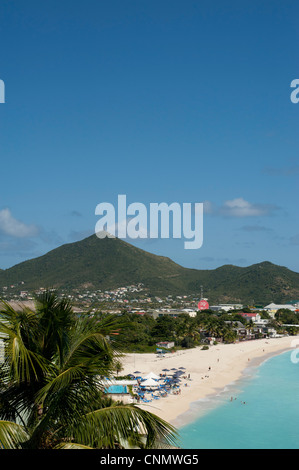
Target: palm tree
<point>118,367</point>
<point>214,326</point>
<point>51,392</point>
<point>229,335</point>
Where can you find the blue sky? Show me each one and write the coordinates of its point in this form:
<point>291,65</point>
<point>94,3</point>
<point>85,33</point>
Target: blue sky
<point>164,101</point>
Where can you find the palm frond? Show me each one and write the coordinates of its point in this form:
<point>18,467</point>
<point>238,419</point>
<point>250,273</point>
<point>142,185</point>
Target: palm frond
<point>50,382</point>
<point>71,445</point>
<point>61,382</point>
<point>90,347</point>
<point>11,435</point>
<point>19,331</point>
<point>111,426</point>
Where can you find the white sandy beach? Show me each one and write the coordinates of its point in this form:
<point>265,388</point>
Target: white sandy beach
<point>226,362</point>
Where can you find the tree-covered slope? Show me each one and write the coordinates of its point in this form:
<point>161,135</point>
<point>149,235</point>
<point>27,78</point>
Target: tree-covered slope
<point>108,263</point>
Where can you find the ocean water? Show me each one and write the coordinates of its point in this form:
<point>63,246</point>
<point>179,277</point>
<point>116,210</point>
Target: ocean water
<point>269,419</point>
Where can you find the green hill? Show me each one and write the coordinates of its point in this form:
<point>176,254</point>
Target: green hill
<point>256,284</point>
<point>108,263</point>
<point>98,263</point>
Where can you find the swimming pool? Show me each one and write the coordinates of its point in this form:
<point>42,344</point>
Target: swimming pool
<point>117,389</point>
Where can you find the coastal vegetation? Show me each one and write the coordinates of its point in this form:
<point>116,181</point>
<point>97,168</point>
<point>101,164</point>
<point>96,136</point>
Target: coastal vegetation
<point>51,390</point>
<point>144,332</point>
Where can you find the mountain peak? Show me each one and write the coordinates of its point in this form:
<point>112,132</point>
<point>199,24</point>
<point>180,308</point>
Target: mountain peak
<point>108,263</point>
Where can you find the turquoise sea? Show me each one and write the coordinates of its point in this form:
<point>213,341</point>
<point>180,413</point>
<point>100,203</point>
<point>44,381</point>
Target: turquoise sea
<point>269,418</point>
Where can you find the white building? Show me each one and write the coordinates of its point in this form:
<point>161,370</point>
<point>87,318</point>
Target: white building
<point>272,308</point>
<point>191,313</point>
<point>226,307</point>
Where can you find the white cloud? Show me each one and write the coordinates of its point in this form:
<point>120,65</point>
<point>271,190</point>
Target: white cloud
<point>131,227</point>
<point>239,207</point>
<point>15,228</point>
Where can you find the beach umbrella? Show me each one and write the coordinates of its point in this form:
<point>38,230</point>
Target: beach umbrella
<point>150,383</point>
<point>165,370</point>
<point>151,375</point>
<point>173,368</point>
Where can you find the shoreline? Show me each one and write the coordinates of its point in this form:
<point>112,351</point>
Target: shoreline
<point>200,407</point>
<point>227,362</point>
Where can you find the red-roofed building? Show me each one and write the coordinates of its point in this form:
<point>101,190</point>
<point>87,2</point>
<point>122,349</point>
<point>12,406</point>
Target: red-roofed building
<point>250,316</point>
